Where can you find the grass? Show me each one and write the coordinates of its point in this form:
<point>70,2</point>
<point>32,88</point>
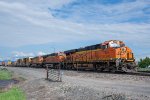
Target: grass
<point>13,94</point>
<point>5,75</point>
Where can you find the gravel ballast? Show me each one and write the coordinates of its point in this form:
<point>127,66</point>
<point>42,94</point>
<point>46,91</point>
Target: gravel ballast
<point>83,85</point>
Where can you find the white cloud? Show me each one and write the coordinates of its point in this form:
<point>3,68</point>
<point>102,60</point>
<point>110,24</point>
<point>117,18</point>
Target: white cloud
<point>42,3</point>
<point>100,13</point>
<point>59,3</point>
<point>28,23</point>
<point>22,54</point>
<point>1,58</point>
<point>42,26</point>
<point>32,26</point>
<point>40,53</point>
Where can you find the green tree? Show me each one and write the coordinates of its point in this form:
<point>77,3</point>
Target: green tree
<point>143,63</point>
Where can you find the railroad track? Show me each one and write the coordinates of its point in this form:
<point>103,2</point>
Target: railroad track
<point>123,73</point>
<point>138,73</point>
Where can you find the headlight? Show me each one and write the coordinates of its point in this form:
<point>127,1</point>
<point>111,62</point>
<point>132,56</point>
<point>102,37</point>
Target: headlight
<point>123,50</point>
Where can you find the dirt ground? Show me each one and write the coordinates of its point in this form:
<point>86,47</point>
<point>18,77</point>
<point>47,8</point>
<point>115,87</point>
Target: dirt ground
<point>83,85</point>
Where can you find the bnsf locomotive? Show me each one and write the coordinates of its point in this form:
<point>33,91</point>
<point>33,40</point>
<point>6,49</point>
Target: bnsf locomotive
<point>111,56</point>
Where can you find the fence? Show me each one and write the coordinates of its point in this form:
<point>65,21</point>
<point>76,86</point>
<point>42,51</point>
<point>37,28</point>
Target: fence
<point>53,74</point>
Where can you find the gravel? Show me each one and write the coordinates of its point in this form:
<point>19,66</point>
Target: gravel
<point>83,85</point>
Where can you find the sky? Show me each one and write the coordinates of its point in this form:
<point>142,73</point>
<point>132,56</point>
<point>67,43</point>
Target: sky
<point>38,27</point>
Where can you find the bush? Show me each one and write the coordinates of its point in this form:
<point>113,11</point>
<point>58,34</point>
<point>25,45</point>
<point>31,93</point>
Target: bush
<point>144,63</point>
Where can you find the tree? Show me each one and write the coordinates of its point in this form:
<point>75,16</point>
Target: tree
<point>143,63</point>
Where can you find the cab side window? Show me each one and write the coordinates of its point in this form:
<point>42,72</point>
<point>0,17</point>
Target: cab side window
<point>104,46</point>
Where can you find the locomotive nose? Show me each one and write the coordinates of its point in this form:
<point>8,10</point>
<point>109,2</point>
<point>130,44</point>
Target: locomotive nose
<point>126,53</point>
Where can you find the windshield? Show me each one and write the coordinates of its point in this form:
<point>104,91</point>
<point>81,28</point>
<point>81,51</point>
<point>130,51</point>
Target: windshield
<point>114,44</point>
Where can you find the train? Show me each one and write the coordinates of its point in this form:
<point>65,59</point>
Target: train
<point>6,63</point>
<point>112,55</point>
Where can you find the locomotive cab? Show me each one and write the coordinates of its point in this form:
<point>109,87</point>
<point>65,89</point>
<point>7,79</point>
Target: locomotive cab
<point>112,44</point>
<point>61,56</point>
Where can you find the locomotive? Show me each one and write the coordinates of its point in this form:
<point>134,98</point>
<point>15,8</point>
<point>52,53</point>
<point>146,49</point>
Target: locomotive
<point>110,55</point>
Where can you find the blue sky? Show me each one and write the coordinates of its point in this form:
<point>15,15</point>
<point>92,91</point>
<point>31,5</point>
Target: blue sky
<point>36,27</point>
